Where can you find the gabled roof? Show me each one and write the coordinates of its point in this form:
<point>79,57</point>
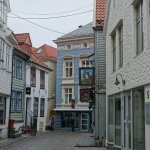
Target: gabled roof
<point>86,30</point>
<point>99,13</point>
<point>24,38</point>
<point>47,52</point>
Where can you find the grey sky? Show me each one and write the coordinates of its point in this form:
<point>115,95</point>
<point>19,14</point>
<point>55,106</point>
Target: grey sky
<point>40,36</point>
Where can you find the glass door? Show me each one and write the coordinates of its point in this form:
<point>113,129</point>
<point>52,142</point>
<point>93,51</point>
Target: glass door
<point>126,122</point>
<point>84,121</point>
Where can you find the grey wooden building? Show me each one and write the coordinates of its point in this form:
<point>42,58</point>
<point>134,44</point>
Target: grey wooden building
<point>18,89</point>
<point>100,71</point>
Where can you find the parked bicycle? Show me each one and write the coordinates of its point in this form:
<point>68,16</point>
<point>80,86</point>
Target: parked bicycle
<point>27,129</point>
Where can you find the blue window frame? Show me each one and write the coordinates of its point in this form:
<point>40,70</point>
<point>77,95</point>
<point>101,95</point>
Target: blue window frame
<point>19,69</point>
<point>16,101</point>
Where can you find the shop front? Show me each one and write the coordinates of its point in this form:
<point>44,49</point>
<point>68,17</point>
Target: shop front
<point>126,120</point>
<point>82,120</point>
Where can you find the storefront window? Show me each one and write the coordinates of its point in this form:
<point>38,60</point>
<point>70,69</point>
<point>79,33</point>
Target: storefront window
<point>138,120</point>
<point>117,121</point>
<point>114,120</point>
<point>66,118</point>
<point>2,110</point>
<point>110,120</point>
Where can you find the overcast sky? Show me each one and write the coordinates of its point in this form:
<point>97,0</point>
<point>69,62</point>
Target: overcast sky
<point>41,36</point>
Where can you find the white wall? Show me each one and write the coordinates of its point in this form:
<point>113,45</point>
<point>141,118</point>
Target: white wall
<point>38,93</point>
<point>136,69</point>
<point>147,127</point>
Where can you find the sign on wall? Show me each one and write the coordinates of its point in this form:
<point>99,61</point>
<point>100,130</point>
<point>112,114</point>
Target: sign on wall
<point>85,95</point>
<point>147,113</point>
<point>86,76</point>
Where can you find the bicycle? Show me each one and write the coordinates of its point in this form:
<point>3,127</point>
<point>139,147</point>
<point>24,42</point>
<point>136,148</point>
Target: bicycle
<point>27,129</point>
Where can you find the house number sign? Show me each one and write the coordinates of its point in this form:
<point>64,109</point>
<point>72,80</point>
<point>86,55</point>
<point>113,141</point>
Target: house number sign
<point>147,113</point>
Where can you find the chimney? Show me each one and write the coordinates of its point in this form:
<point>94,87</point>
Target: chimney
<point>80,26</point>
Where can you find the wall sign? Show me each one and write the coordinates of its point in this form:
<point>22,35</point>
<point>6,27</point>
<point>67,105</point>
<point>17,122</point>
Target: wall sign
<point>86,76</point>
<point>147,113</point>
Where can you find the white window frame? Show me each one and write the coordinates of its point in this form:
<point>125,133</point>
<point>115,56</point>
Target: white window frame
<point>68,67</point>
<point>2,51</point>
<point>114,52</point>
<point>83,45</point>
<point>85,60</point>
<point>7,56</point>
<point>3,12</point>
<point>120,46</point>
<point>64,92</point>
<point>139,44</point>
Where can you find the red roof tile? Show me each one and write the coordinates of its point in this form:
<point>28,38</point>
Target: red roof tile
<point>100,13</point>
<point>23,38</point>
<point>46,51</point>
<point>28,49</point>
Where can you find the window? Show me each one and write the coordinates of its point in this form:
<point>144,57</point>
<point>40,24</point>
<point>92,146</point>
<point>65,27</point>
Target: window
<point>7,56</point>
<point>42,79</point>
<point>35,107</point>
<point>3,11</point>
<point>2,47</point>
<point>2,110</point>
<point>85,63</point>
<point>114,51</point>
<point>18,69</point>
<point>68,47</point>
<point>33,76</point>
<point>139,27</point>
<point>85,45</point>
<point>13,67</point>
<point>68,95</point>
<point>121,46</point>
<point>42,106</point>
<point>68,69</point>
<point>16,101</point>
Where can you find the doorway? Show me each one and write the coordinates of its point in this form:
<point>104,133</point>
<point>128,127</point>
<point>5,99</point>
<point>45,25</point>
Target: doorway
<point>84,121</point>
<point>126,121</point>
<point>28,110</point>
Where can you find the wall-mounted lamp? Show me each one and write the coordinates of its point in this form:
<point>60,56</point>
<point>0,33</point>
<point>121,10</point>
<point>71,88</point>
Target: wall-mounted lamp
<point>117,82</point>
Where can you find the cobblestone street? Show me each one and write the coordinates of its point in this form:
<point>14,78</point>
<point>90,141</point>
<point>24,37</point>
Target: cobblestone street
<point>50,141</point>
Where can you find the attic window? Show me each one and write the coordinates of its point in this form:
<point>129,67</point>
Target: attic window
<point>85,45</point>
<point>68,47</point>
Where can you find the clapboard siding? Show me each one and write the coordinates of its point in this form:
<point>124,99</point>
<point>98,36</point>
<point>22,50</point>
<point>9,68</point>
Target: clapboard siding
<point>100,85</point>
<point>19,85</point>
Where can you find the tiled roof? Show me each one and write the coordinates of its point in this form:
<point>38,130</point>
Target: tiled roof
<point>100,13</point>
<point>29,50</point>
<point>22,38</point>
<point>46,51</point>
<point>81,31</point>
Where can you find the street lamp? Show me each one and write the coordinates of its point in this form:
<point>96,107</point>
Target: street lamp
<point>117,82</point>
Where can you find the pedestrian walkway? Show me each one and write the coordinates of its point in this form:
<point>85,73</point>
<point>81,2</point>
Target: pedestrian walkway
<point>87,142</point>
